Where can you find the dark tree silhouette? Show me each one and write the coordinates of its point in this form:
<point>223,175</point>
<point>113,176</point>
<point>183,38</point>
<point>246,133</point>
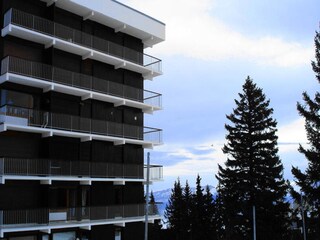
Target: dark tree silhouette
<point>309,181</point>
<point>174,211</point>
<point>253,172</point>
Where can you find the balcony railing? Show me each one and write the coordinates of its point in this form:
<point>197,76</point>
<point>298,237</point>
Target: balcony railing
<point>59,168</point>
<point>29,117</point>
<point>65,216</point>
<point>57,75</point>
<point>62,32</point>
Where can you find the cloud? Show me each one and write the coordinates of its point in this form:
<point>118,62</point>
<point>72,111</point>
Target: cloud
<point>193,32</point>
<point>190,160</point>
<point>203,158</point>
<point>291,135</point>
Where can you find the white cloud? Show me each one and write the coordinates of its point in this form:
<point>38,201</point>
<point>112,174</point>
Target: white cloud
<point>193,32</point>
<point>203,159</point>
<point>291,135</point>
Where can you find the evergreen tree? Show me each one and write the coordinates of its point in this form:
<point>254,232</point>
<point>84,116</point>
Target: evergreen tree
<point>187,206</point>
<point>209,217</point>
<point>152,202</point>
<point>253,172</point>
<point>155,229</point>
<point>174,211</point>
<point>309,181</point>
<point>219,215</point>
<point>198,212</point>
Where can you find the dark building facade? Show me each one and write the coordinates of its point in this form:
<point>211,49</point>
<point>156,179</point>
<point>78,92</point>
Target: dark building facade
<point>72,134</point>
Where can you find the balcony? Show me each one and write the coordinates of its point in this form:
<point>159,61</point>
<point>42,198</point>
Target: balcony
<point>48,78</point>
<point>83,217</point>
<point>48,170</point>
<point>48,33</point>
<point>118,16</point>
<point>54,124</point>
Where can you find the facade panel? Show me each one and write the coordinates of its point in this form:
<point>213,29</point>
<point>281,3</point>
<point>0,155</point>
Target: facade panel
<point>72,135</point>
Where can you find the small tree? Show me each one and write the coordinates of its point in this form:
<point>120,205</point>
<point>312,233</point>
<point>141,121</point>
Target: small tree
<point>209,217</point>
<point>155,229</point>
<point>174,211</point>
<point>198,212</point>
<point>187,214</point>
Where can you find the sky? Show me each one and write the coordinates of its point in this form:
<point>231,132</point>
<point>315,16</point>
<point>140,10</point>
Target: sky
<point>211,47</point>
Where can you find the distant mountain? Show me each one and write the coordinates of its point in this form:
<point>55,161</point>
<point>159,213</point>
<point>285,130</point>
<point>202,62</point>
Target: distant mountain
<point>162,197</point>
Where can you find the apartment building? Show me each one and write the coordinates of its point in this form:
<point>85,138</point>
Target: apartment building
<point>72,134</point>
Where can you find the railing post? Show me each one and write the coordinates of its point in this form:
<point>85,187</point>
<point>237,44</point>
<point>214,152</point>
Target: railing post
<point>1,218</point>
<point>27,167</point>
<point>147,198</point>
<point>52,75</point>
<point>2,167</point>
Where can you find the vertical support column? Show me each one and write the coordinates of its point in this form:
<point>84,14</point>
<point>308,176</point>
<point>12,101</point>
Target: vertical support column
<point>147,197</point>
<point>254,222</point>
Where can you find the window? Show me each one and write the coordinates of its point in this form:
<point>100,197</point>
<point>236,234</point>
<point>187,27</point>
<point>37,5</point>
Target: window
<point>24,238</point>
<point>64,236</point>
<point>16,99</point>
<point>45,237</point>
<point>117,235</point>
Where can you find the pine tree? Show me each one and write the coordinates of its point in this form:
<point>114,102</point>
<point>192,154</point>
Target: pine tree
<point>187,206</point>
<point>174,211</point>
<point>219,215</point>
<point>253,172</point>
<point>309,181</point>
<point>198,212</point>
<point>153,204</point>
<point>209,217</point>
<point>155,232</point>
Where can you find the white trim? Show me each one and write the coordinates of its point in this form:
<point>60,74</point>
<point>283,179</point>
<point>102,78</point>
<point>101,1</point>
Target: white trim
<point>47,180</point>
<point>82,51</point>
<point>87,224</point>
<point>83,93</point>
<point>86,136</point>
<point>88,16</point>
<point>114,14</point>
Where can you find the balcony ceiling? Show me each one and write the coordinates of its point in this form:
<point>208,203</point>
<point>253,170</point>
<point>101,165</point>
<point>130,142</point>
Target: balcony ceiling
<point>118,16</point>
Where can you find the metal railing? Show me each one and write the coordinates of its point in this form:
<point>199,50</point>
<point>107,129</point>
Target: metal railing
<point>47,216</point>
<point>35,23</point>
<point>57,75</point>
<point>155,174</point>
<point>54,168</point>
<point>34,118</point>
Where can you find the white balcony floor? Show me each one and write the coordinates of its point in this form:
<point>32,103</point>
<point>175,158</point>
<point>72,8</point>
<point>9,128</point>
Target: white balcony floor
<point>46,132</point>
<point>47,180</point>
<point>84,94</point>
<point>118,16</point>
<point>84,224</point>
<point>85,52</point>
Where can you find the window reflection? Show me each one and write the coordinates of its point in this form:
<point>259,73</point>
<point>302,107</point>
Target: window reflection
<point>16,99</point>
